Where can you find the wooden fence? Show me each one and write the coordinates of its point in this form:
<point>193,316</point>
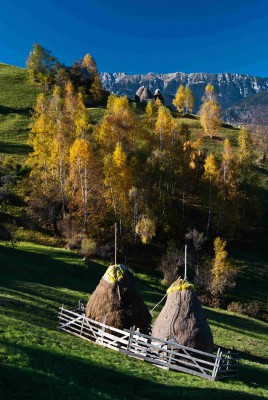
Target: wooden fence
<point>162,353</point>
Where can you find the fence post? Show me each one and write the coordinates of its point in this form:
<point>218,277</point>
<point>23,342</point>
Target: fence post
<point>103,330</point>
<point>170,356</point>
<point>82,326</point>
<point>132,330</point>
<point>216,365</point>
<point>60,314</point>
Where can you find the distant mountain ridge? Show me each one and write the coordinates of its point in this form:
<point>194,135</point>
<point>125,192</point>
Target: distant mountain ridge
<point>230,88</point>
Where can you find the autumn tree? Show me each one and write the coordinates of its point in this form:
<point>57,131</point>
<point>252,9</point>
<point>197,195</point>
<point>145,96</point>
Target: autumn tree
<point>245,148</point>
<point>146,228</point>
<point>41,66</point>
<point>209,92</point>
<point>90,65</point>
<point>45,198</point>
<point>210,112</point>
<point>189,100</point>
<point>222,273</point>
<point>118,125</point>
<point>150,111</point>
<point>163,125</point>
<point>40,138</point>
<point>83,174</point>
<point>118,183</point>
<point>180,97</point>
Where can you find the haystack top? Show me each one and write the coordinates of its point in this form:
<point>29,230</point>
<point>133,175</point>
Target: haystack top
<point>139,91</point>
<point>146,94</point>
<point>114,273</point>
<point>180,284</point>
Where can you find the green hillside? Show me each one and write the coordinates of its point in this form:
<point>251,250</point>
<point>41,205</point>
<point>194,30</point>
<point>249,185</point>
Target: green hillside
<point>39,362</point>
<point>17,96</point>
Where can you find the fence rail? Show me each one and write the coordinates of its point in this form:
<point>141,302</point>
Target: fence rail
<point>167,354</point>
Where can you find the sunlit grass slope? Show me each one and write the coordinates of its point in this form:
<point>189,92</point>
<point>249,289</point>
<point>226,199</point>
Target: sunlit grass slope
<point>17,96</point>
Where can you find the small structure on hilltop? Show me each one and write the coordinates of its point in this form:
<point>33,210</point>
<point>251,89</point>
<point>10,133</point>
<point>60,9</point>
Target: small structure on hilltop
<point>144,94</point>
<point>138,94</point>
<point>183,319</point>
<point>117,302</point>
<point>158,95</point>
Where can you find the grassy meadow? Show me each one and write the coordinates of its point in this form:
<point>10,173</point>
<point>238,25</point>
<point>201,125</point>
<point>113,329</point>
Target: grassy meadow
<point>39,362</point>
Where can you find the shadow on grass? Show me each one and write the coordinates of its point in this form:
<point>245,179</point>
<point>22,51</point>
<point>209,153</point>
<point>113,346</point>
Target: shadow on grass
<point>9,110</point>
<point>49,375</point>
<point>49,269</point>
<point>23,268</point>
<point>236,323</point>
<point>15,148</point>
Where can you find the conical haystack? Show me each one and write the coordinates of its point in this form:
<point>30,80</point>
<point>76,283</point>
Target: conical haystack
<point>182,318</point>
<point>117,301</point>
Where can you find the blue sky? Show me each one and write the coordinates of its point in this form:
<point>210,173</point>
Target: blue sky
<point>141,36</point>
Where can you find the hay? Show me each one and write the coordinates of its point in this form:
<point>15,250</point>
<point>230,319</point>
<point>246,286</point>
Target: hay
<point>143,94</point>
<point>117,302</point>
<point>158,95</point>
<point>182,318</point>
<point>146,95</point>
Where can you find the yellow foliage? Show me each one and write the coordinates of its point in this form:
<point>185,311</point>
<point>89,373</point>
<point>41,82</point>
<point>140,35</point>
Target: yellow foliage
<point>210,116</point>
<point>119,156</point>
<point>189,100</point>
<point>158,103</point>
<point>118,125</point>
<point>209,91</point>
<point>179,101</point>
<point>90,64</point>
<point>245,153</point>
<point>222,272</point>
<point>211,168</point>
<point>80,152</point>
<point>150,110</point>
<point>146,228</point>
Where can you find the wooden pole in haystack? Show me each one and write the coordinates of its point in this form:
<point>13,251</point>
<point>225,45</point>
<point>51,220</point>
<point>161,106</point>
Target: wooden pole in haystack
<point>185,263</point>
<point>115,243</point>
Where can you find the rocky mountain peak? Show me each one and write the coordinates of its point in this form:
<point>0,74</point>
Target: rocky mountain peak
<point>229,88</point>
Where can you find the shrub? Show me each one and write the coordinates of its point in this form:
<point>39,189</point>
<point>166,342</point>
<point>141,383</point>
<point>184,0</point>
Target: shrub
<point>74,242</point>
<point>88,247</point>
<point>146,228</point>
<point>249,309</point>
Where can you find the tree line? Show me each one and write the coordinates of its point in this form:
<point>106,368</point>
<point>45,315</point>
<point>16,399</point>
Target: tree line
<point>144,170</point>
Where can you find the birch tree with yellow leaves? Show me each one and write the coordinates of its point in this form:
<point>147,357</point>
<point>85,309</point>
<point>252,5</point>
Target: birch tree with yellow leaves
<point>180,97</point>
<point>210,112</point>
<point>82,176</point>
<point>117,179</point>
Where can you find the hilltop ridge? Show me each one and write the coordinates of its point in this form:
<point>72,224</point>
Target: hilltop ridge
<point>229,88</point>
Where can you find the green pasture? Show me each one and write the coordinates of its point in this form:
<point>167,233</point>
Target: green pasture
<point>37,361</point>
